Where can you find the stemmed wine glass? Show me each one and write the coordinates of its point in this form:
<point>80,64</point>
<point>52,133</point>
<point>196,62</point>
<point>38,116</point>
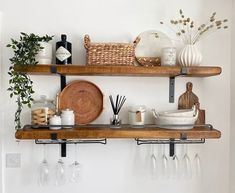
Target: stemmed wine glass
<point>75,168</point>
<point>197,165</point>
<point>153,162</point>
<point>186,164</point>
<point>164,161</point>
<point>43,178</point>
<point>60,175</point>
<point>175,166</point>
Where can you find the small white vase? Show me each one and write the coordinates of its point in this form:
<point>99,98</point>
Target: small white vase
<point>190,56</point>
<point>45,55</point>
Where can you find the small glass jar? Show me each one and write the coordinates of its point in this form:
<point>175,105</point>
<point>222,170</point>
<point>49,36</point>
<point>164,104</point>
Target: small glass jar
<point>168,56</point>
<point>42,110</point>
<point>115,121</point>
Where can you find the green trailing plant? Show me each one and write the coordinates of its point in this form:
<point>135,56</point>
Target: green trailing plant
<point>20,85</point>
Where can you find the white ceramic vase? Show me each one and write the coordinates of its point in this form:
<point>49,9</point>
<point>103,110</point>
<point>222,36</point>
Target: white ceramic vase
<point>45,55</point>
<point>190,56</point>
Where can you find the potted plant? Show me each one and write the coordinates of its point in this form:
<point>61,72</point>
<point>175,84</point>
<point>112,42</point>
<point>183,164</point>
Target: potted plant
<point>25,49</point>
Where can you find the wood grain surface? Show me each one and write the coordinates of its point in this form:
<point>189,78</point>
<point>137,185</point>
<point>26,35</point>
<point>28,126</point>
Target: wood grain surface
<point>167,71</point>
<point>125,132</point>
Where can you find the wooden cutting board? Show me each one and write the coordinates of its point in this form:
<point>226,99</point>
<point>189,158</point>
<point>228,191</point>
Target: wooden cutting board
<point>188,99</point>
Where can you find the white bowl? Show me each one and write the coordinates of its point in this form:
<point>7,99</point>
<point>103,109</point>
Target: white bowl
<point>179,113</point>
<point>173,122</point>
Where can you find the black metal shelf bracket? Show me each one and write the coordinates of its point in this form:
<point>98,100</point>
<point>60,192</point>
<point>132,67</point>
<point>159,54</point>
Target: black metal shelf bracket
<point>63,149</point>
<point>171,147</point>
<point>172,89</point>
<point>53,69</point>
<point>62,86</point>
<point>183,72</point>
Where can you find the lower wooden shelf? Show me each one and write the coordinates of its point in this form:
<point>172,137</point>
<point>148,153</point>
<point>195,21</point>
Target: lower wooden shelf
<point>104,131</point>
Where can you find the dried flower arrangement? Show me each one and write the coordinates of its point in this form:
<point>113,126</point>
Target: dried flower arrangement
<point>188,33</point>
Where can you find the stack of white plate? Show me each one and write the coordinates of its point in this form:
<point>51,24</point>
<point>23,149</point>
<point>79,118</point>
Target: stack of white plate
<point>176,119</point>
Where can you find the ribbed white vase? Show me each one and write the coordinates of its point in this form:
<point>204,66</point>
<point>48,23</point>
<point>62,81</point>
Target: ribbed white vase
<point>190,56</point>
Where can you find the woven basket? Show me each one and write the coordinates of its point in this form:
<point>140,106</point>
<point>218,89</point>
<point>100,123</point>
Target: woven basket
<point>115,54</point>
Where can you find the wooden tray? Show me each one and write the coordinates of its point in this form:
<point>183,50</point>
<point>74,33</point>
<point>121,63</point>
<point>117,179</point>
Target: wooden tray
<point>84,98</point>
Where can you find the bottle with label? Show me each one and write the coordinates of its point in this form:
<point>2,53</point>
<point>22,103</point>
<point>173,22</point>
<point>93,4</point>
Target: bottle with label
<point>63,51</point>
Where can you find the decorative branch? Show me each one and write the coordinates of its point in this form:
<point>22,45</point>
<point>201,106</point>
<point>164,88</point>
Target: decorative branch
<point>185,29</point>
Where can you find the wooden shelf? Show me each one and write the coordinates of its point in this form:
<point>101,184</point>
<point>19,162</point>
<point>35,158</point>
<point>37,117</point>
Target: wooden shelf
<point>104,131</point>
<point>165,71</point>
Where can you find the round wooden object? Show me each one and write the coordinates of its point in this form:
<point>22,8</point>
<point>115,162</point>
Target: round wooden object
<point>84,98</point>
<point>148,50</point>
<point>149,61</point>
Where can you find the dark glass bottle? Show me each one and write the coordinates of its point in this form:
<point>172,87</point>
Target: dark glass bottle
<point>63,51</point>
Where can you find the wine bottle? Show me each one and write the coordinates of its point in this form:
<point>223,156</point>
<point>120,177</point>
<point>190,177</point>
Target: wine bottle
<point>63,51</point>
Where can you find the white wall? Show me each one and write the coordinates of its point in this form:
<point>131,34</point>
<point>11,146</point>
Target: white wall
<point>119,166</point>
<point>232,143</point>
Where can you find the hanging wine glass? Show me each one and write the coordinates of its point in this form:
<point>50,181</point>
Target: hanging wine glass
<point>164,162</point>
<point>197,165</point>
<point>75,168</point>
<point>43,177</point>
<point>174,166</point>
<point>153,162</point>
<point>60,175</point>
<point>186,164</point>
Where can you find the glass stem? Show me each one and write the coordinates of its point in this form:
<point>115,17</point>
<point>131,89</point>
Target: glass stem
<point>163,149</point>
<point>76,152</point>
<point>186,149</point>
<point>59,151</point>
<point>44,152</point>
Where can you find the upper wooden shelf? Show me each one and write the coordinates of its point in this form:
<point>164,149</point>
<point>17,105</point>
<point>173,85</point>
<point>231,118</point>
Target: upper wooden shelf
<point>166,71</point>
<point>104,131</point>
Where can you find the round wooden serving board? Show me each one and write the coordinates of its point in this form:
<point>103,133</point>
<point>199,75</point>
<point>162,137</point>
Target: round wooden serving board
<point>84,98</point>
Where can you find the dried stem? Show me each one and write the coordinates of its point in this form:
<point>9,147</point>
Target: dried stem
<point>188,33</point>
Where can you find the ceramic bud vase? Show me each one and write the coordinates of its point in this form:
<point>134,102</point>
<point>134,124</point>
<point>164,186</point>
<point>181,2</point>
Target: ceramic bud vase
<point>45,55</point>
<point>190,56</point>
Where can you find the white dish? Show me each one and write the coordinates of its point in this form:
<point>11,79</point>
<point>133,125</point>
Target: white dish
<point>172,122</point>
<point>179,113</point>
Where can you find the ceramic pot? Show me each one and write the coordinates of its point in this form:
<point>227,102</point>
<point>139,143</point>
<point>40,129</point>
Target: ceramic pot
<point>55,120</point>
<point>67,117</point>
<point>137,115</point>
<point>45,55</point>
<point>190,56</point>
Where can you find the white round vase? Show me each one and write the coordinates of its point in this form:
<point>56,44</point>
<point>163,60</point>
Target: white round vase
<point>190,56</point>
